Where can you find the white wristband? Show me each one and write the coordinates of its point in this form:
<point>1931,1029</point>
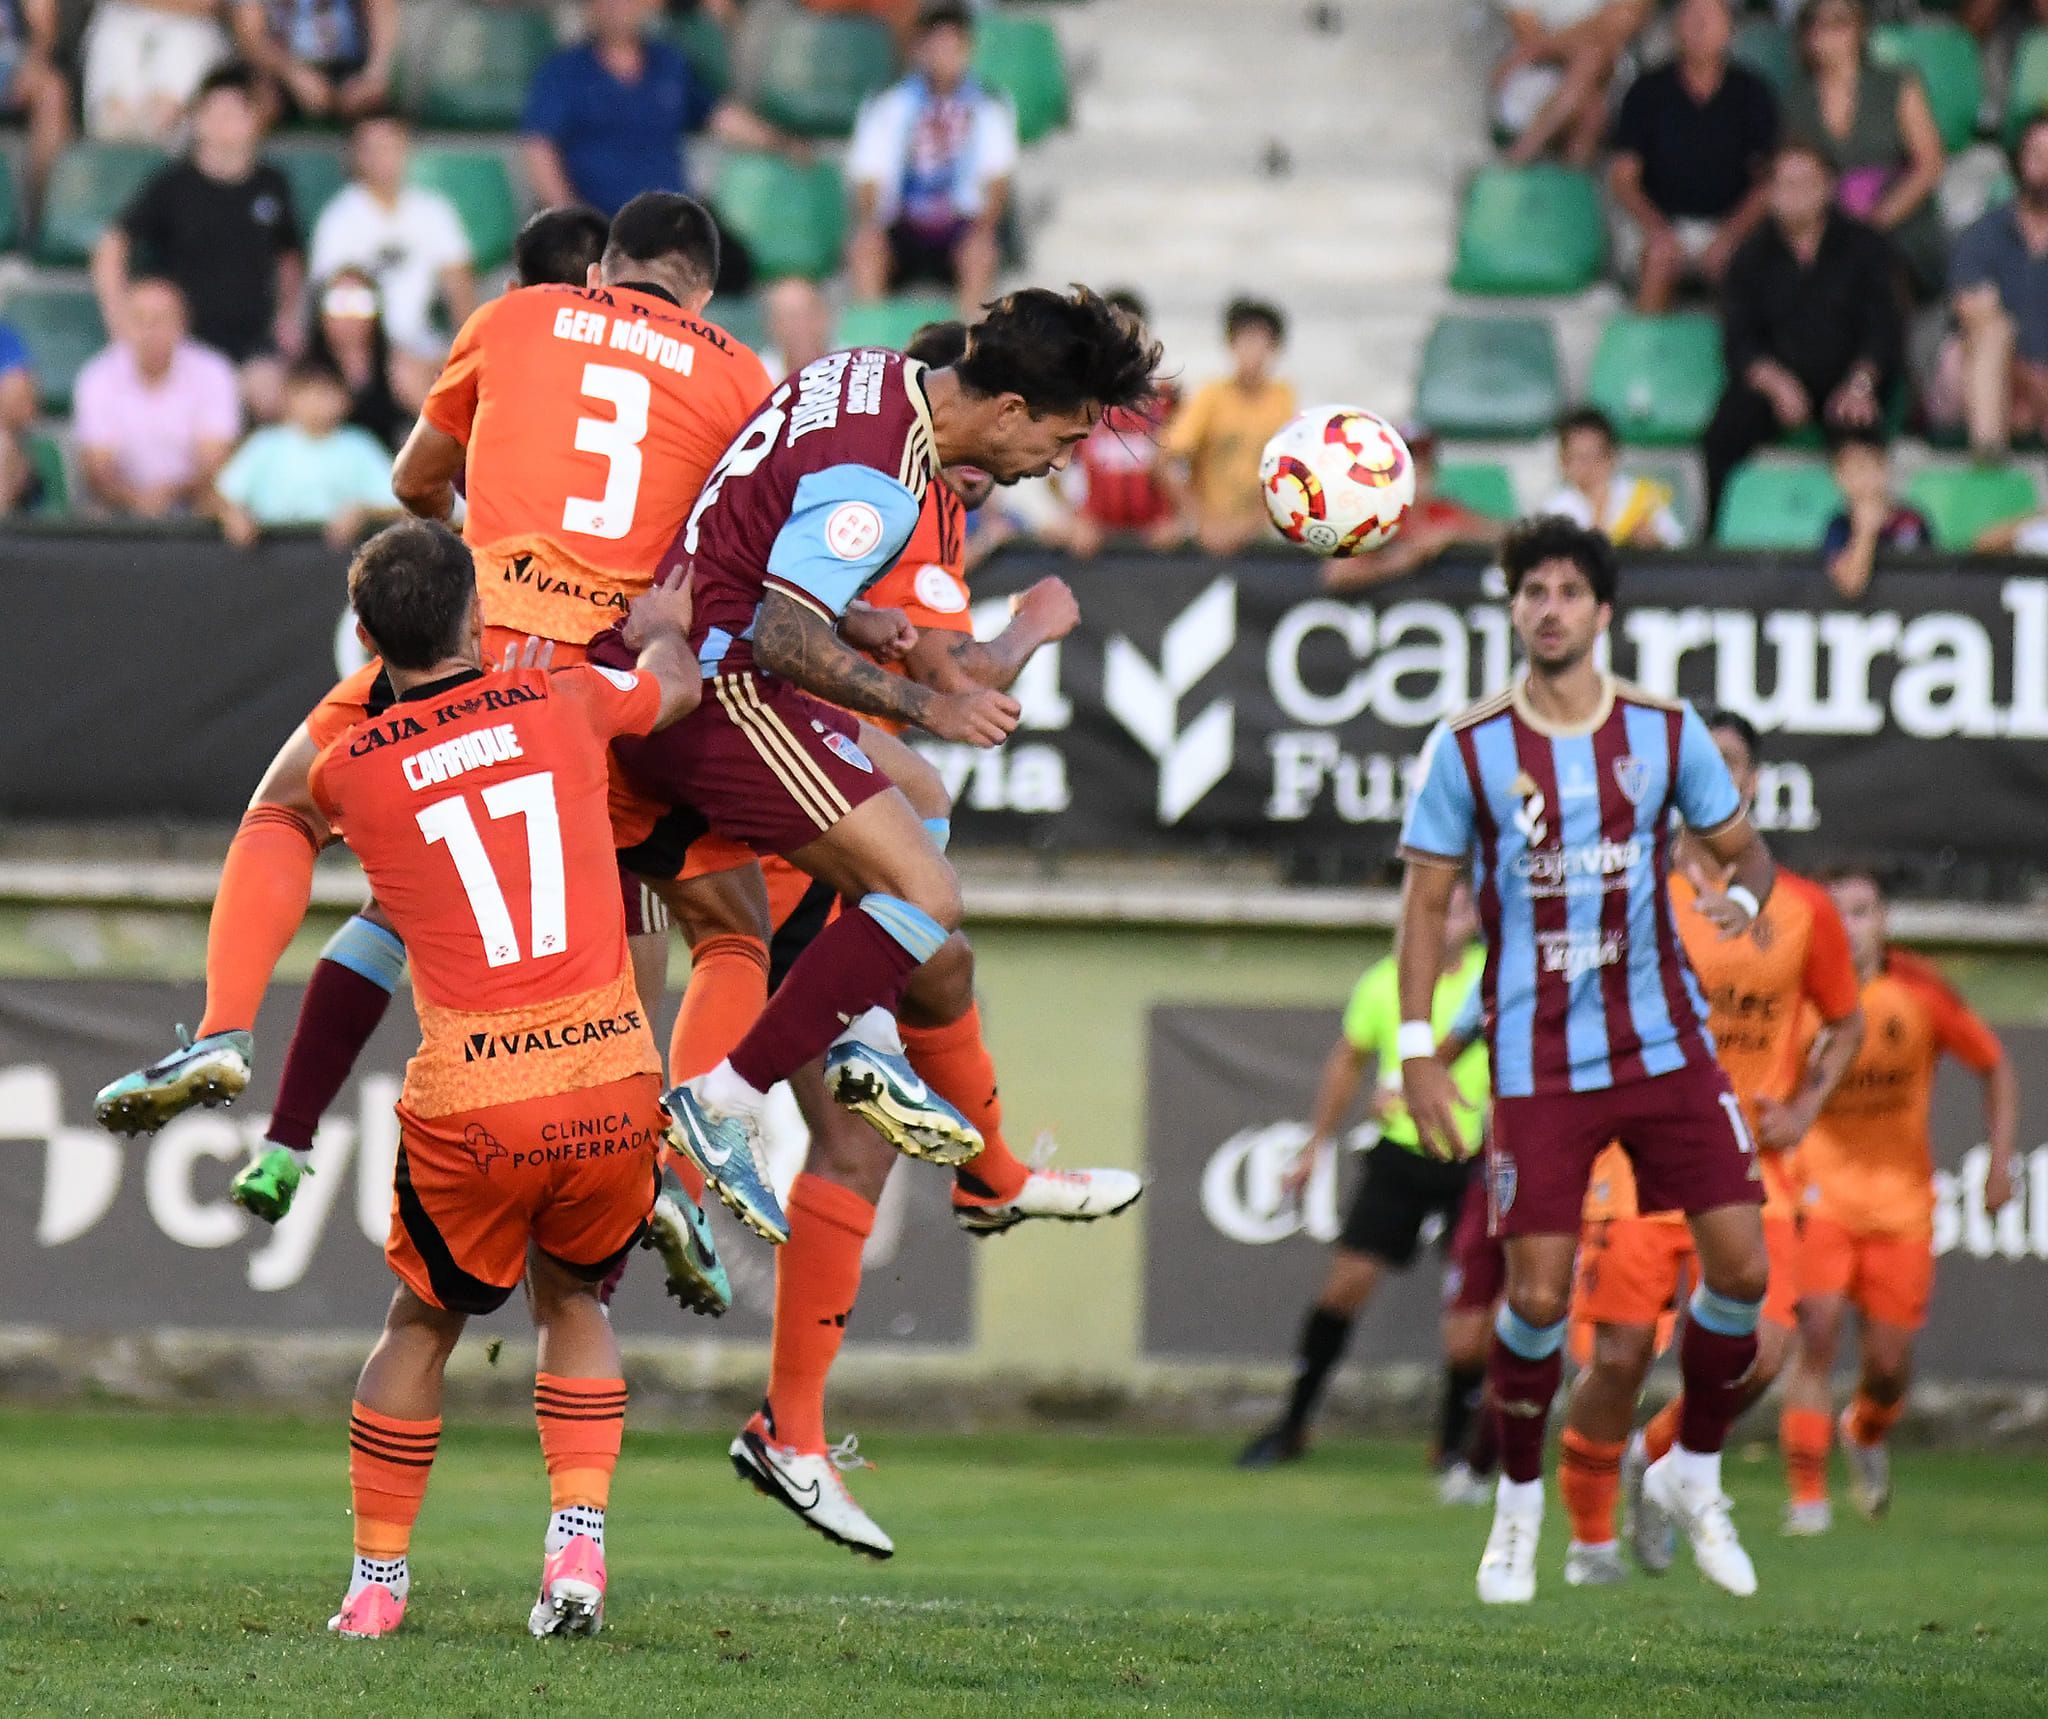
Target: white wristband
<point>1415,1039</point>
<point>1744,899</point>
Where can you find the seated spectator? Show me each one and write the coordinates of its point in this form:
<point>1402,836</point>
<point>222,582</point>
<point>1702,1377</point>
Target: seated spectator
<point>312,469</point>
<point>407,238</point>
<point>19,485</point>
<point>320,59</point>
<point>2027,536</point>
<point>33,89</point>
<point>1874,519</point>
<point>1813,331</point>
<point>1634,512</point>
<point>1113,485</point>
<point>1552,88</point>
<point>1876,126</point>
<point>1434,524</point>
<point>798,324</point>
<point>1983,17</point>
<point>1213,443</point>
<point>220,224</point>
<point>930,167</point>
<point>384,396</point>
<point>156,413</point>
<point>559,246</point>
<point>605,120</point>
<point>1993,373</point>
<point>143,61</point>
<point>1689,153</point>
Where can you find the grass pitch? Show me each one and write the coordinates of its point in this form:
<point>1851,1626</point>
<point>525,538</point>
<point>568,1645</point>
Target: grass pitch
<point>181,1565</point>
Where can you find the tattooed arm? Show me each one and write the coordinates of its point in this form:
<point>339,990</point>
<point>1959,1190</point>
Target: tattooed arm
<point>1043,615</point>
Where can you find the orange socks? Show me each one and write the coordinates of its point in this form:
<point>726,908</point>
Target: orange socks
<point>265,887</point>
<point>1803,1439</point>
<point>1868,1422</point>
<point>1589,1478</point>
<point>817,1278</point>
<point>727,991</point>
<point>580,1421</point>
<point>1662,1432</point>
<point>955,1060</point>
<point>388,1460</point>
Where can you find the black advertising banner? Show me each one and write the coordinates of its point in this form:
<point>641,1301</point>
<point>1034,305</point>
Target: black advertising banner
<point>110,1236</point>
<point>1228,1095</point>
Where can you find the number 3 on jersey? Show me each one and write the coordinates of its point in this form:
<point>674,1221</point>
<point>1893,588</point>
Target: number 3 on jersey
<point>618,439</point>
<point>532,798</point>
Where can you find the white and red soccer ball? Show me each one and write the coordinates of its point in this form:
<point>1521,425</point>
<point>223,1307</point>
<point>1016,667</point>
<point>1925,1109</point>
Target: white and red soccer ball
<point>1337,480</point>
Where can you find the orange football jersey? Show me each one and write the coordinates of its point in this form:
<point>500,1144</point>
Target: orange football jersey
<point>1869,1161</point>
<point>928,582</point>
<point>478,809</point>
<point>591,417</point>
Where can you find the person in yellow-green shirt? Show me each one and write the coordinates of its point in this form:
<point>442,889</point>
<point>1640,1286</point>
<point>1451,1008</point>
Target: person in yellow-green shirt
<point>1212,446</point>
<point>1403,1187</point>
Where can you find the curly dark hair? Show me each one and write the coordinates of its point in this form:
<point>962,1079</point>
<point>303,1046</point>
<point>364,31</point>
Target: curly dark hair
<point>1550,537</point>
<point>412,586</point>
<point>1059,352</point>
<point>938,344</point>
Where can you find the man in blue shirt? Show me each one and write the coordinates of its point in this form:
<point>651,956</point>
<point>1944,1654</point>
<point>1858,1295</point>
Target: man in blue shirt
<point>605,120</point>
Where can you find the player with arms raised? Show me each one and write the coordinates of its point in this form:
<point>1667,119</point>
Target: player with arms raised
<point>1559,793</point>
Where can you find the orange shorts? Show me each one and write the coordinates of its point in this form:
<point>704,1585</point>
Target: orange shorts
<point>1781,1296</point>
<point>572,1174</point>
<point>1888,1276</point>
<point>1631,1271</point>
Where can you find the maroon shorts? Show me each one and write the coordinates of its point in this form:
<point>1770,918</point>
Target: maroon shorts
<point>1683,1132</point>
<point>1476,1270</point>
<point>759,760</point>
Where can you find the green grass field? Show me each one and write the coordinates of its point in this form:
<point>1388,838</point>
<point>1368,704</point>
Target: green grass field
<point>175,1565</point>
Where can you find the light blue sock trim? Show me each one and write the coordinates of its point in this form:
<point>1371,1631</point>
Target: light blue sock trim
<point>1531,1342</point>
<point>940,830</point>
<point>912,927</point>
<point>364,947</point>
<point>1723,1314</point>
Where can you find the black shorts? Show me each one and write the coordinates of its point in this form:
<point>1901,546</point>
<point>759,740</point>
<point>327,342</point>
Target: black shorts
<point>1397,1195</point>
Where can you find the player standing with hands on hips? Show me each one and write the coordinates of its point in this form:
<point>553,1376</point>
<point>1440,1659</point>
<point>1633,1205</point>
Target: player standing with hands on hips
<point>1559,793</point>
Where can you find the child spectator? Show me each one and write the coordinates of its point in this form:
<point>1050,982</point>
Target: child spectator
<point>1874,519</point>
<point>1634,512</point>
<point>1552,86</point>
<point>143,63</point>
<point>1114,484</point>
<point>320,59</point>
<point>1213,443</point>
<point>312,469</point>
<point>1435,524</point>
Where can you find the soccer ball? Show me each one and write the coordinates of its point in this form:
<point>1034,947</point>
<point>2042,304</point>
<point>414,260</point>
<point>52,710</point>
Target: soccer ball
<point>1337,480</point>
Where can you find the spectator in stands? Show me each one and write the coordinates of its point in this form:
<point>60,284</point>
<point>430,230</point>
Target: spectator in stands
<point>313,469</point>
<point>1212,444</point>
<point>1435,523</point>
<point>559,245</point>
<point>320,59</point>
<point>1876,126</point>
<point>605,120</point>
<point>1552,87</point>
<point>348,337</point>
<point>1993,374</point>
<point>156,413</point>
<point>220,223</point>
<point>1689,152</point>
<point>1113,485</point>
<point>1812,326</point>
<point>1983,17</point>
<point>2024,536</point>
<point>798,322</point>
<point>1634,512</point>
<point>407,238</point>
<point>143,62</point>
<point>1874,519</point>
<point>18,481</point>
<point>33,89</point>
<point>930,167</point>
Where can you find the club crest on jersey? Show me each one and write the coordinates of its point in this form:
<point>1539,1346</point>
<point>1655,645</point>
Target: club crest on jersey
<point>1632,777</point>
<point>852,530</point>
<point>848,751</point>
<point>1529,818</point>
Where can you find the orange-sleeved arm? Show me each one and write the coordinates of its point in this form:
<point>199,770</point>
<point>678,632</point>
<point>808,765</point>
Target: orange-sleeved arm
<point>613,701</point>
<point>1958,1028</point>
<point>1830,979</point>
<point>451,403</point>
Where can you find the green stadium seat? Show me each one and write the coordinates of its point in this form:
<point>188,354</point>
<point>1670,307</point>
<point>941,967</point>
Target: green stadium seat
<point>10,207</point>
<point>792,218</point>
<point>1777,506</point>
<point>467,68</point>
<point>1945,55</point>
<point>816,68</point>
<point>892,321</point>
<point>316,169</point>
<point>742,318</point>
<point>1767,49</point>
<point>2027,93</point>
<point>1484,486</point>
<point>61,327</point>
<point>47,457</point>
<point>1680,474</point>
<point>90,185</point>
<point>1490,376</point>
<point>479,184</point>
<point>1658,377</point>
<point>1530,230</point>
<point>701,40</point>
<point>1022,58</point>
<point>1962,501</point>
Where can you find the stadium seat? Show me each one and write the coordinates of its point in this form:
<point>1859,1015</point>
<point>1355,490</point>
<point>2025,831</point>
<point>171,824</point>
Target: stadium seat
<point>1484,486</point>
<point>47,456</point>
<point>1022,58</point>
<point>1766,48</point>
<point>1777,506</point>
<point>2027,93</point>
<point>468,67</point>
<point>1658,377</point>
<point>479,184</point>
<point>1490,376</point>
<point>1962,501</point>
<point>90,185</point>
<point>742,318</point>
<point>792,218</point>
<point>10,207</point>
<point>1945,56</point>
<point>816,68</point>
<point>316,169</point>
<point>1530,230</point>
<point>701,40</point>
<point>62,329</point>
<point>892,321</point>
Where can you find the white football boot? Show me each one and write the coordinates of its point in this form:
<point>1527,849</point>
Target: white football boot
<point>1507,1571</point>
<point>810,1484</point>
<point>1702,1510</point>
